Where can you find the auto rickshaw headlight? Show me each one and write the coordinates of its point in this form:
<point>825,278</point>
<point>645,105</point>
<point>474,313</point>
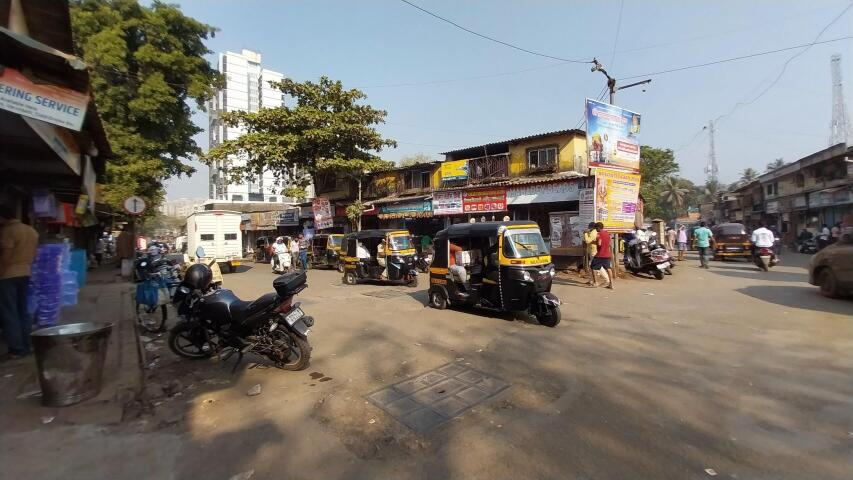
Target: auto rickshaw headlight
<point>553,272</point>
<point>522,275</point>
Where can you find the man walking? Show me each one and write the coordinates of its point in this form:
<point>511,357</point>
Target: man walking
<point>18,244</point>
<point>590,240</point>
<point>303,252</point>
<point>603,257</point>
<point>703,237</point>
<point>682,242</point>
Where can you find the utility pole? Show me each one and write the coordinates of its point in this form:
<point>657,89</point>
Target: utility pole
<point>611,82</point>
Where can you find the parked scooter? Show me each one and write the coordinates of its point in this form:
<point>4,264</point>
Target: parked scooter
<point>644,258</point>
<point>217,322</point>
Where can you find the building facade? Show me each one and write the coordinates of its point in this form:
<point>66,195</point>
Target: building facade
<point>246,89</point>
<point>182,207</point>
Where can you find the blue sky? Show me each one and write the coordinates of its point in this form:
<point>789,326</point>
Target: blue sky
<point>376,45</point>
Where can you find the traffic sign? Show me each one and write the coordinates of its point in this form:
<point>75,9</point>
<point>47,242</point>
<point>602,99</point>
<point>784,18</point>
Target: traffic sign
<point>134,205</point>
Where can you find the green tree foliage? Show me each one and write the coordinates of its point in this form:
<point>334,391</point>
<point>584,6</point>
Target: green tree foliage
<point>147,63</point>
<point>776,163</point>
<point>410,160</point>
<point>656,165</point>
<point>324,128</point>
<point>710,190</point>
<point>748,175</point>
<point>676,194</point>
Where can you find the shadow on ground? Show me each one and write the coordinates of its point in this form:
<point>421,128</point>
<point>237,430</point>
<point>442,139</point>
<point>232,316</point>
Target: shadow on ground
<point>805,297</point>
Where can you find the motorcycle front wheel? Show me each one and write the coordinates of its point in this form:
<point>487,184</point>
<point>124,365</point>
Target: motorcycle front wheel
<point>189,340</point>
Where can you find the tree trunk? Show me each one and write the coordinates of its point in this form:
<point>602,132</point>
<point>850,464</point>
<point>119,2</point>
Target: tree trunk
<point>359,202</point>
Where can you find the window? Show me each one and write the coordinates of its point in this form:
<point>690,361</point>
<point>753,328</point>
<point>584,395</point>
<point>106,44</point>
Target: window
<point>273,199</point>
<point>414,180</point>
<point>524,244</point>
<point>544,158</point>
<point>236,198</point>
<point>425,179</point>
<point>773,188</point>
<point>206,237</point>
<point>230,236</point>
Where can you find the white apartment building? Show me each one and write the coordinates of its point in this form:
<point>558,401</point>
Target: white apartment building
<point>246,89</point>
<point>182,207</point>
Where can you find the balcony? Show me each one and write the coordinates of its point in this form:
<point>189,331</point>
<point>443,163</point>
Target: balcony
<point>488,169</point>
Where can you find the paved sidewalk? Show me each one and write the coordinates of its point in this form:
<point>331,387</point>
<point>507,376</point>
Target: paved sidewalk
<point>104,298</point>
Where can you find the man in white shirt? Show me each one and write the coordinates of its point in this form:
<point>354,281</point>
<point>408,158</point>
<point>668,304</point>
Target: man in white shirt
<point>361,252</point>
<point>762,237</point>
<point>278,247</point>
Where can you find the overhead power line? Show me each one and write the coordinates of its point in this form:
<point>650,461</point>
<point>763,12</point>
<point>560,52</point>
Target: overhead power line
<point>492,39</point>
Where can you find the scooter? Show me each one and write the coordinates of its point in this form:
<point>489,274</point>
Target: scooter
<point>280,263</point>
<point>764,258</point>
<point>423,261</point>
<point>653,261</point>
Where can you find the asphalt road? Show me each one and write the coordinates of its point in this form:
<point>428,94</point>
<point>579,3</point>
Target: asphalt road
<point>730,369</point>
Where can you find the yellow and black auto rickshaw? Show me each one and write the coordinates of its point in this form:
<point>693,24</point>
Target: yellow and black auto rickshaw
<point>385,255</point>
<point>505,266</point>
<point>325,251</point>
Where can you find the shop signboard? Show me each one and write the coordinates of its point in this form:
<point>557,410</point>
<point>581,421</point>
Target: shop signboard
<point>454,170</point>
<point>772,207</point>
<point>487,200</point>
<point>323,217</point>
<point>418,208</point>
<point>48,103</point>
<point>611,136</point>
<point>447,203</point>
<point>566,191</point>
<point>288,218</point>
<point>616,195</point>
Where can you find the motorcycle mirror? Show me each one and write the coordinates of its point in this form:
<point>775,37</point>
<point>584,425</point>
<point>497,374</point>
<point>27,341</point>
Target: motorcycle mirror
<point>199,252</point>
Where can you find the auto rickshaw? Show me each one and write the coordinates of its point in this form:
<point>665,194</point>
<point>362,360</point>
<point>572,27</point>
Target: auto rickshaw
<point>325,251</point>
<point>504,266</point>
<point>399,257</point>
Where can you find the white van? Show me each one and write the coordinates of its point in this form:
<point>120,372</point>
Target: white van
<point>218,232</point>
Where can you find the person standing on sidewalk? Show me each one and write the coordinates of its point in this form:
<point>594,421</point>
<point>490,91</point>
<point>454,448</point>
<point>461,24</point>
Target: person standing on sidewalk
<point>603,257</point>
<point>682,241</point>
<point>18,245</point>
<point>303,252</point>
<point>590,240</point>
<point>703,237</point>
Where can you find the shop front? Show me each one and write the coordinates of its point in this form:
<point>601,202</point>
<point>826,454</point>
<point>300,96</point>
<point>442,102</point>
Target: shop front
<point>536,201</point>
<point>831,205</point>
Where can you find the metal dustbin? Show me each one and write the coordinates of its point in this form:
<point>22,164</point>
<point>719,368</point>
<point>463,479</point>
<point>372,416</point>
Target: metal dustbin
<point>70,361</point>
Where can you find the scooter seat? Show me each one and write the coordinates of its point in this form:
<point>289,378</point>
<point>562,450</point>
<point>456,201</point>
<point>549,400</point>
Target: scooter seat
<point>241,310</point>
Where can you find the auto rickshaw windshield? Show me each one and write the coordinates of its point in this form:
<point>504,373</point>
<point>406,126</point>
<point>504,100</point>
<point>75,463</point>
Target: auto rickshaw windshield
<point>335,241</point>
<point>524,243</point>
<point>401,242</point>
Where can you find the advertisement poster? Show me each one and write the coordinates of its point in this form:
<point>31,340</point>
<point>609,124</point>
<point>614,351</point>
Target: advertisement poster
<point>556,231</point>
<point>616,194</point>
<point>48,103</point>
<point>611,136</point>
<point>322,213</point>
<point>446,203</point>
<point>415,209</point>
<point>454,170</point>
<point>491,200</point>
<point>586,206</point>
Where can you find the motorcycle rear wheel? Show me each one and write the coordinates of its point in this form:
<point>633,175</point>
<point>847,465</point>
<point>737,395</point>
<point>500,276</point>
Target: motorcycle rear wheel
<point>299,355</point>
<point>658,274</point>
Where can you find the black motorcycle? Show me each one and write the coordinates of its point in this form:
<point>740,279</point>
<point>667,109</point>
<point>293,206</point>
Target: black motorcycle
<point>216,322</point>
<point>650,258</point>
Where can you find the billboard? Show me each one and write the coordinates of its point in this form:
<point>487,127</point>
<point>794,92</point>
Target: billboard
<point>611,136</point>
<point>489,200</point>
<point>616,195</point>
<point>454,170</point>
<point>48,103</point>
<point>447,203</point>
<point>322,213</point>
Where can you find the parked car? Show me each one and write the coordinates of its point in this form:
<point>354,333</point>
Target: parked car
<point>831,268</point>
<point>731,241</point>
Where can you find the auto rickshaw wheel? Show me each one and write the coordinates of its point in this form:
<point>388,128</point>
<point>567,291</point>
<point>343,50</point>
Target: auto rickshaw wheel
<point>549,316</point>
<point>437,299</point>
<point>350,278</point>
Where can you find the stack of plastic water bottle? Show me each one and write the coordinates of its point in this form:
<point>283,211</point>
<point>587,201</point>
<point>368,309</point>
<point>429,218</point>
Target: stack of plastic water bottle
<point>52,284</point>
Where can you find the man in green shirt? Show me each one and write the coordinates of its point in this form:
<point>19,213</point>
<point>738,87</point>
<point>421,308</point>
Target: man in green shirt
<point>703,238</point>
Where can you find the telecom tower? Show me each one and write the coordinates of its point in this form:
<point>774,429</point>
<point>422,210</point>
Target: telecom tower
<point>838,129</point>
<point>711,170</point>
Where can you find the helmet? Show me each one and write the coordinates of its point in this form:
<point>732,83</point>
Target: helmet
<point>198,276</point>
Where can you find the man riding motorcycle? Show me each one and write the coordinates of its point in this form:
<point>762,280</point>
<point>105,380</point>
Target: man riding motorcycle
<point>278,248</point>
<point>762,237</point>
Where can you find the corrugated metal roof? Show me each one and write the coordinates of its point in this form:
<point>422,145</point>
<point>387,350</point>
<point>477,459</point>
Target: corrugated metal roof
<point>518,181</point>
<point>520,139</point>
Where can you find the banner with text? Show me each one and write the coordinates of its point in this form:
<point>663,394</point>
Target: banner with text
<point>616,194</point>
<point>48,103</point>
<point>490,200</point>
<point>454,170</point>
<point>447,203</point>
<point>322,213</point>
<point>611,136</point>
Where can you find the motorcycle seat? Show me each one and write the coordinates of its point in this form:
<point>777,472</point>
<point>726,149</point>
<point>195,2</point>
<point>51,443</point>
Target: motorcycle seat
<point>241,309</point>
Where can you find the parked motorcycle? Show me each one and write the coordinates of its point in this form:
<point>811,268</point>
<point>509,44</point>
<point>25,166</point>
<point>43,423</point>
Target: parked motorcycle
<point>644,258</point>
<point>423,261</point>
<point>217,322</point>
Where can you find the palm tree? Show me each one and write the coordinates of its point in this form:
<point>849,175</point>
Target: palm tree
<point>673,194</point>
<point>778,163</point>
<point>748,175</point>
<point>712,187</point>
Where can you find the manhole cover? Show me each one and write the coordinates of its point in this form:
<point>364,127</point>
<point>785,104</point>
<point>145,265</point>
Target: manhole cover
<point>424,402</point>
<point>387,293</point>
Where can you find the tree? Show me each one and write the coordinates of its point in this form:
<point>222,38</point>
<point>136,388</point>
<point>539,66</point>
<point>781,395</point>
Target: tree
<point>410,160</point>
<point>357,170</point>
<point>656,165</point>
<point>675,194</point>
<point>777,163</point>
<point>748,175</point>
<point>147,63</point>
<point>712,187</point>
<point>325,128</point>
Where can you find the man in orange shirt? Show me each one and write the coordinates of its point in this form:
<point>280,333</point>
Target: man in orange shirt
<point>458,271</point>
<point>18,244</point>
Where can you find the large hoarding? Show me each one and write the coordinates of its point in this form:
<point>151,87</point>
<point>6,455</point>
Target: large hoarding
<point>447,203</point>
<point>490,200</point>
<point>611,136</point>
<point>616,195</point>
